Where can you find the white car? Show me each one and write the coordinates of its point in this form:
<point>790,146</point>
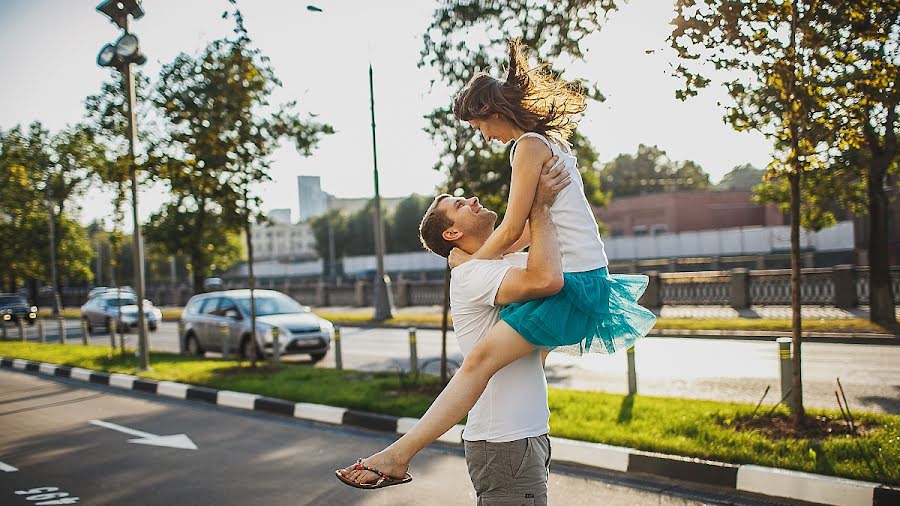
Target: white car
<point>121,307</point>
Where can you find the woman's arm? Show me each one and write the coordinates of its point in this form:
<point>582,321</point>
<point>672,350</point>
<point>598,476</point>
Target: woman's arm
<point>523,242</point>
<point>531,154</point>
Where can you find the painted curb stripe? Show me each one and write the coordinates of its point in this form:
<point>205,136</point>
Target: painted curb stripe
<point>695,470</point>
<point>236,399</point>
<point>80,374</point>
<point>145,386</point>
<point>101,378</point>
<point>885,496</point>
<point>6,362</point>
<point>370,420</point>
<point>272,405</point>
<point>18,364</point>
<point>32,366</point>
<point>805,486</point>
<point>121,380</point>
<point>63,371</point>
<point>590,454</point>
<point>319,413</point>
<point>48,369</point>
<point>172,389</point>
<point>202,394</point>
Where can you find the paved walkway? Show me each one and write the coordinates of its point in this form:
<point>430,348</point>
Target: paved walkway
<point>713,312</point>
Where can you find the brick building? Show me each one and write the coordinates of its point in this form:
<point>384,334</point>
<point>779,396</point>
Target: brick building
<point>674,212</point>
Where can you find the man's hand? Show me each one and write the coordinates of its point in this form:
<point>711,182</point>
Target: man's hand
<point>458,257</point>
<point>554,177</point>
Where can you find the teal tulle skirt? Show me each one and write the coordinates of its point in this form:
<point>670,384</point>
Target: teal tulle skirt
<point>595,312</point>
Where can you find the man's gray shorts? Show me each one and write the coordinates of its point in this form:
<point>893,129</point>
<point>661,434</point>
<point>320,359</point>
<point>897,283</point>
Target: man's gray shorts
<point>510,474</point>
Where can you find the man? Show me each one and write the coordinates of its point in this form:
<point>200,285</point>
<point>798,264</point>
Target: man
<point>506,443</point>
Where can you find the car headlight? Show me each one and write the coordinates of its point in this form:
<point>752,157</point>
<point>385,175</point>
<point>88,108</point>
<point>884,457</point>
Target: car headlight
<point>326,327</point>
<point>34,309</point>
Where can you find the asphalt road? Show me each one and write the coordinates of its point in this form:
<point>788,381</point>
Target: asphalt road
<point>715,369</point>
<point>61,440</point>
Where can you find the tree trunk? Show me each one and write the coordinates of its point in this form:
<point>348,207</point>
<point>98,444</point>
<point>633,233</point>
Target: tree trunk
<point>251,281</point>
<point>796,327</point>
<point>881,297</point>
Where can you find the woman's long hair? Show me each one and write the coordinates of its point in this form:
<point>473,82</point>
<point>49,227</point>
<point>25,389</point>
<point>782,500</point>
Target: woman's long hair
<point>533,99</point>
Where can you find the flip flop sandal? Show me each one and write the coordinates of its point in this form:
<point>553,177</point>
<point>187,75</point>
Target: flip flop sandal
<point>383,480</point>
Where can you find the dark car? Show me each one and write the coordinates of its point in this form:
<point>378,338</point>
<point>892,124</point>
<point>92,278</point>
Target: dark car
<point>15,308</point>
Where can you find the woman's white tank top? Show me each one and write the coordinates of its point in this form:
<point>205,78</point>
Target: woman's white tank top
<point>579,240</point>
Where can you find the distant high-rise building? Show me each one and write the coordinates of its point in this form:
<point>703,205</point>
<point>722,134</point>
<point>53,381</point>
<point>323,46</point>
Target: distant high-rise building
<point>312,198</point>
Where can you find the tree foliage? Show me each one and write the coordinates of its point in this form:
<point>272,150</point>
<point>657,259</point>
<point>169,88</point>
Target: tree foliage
<point>650,170</point>
<point>221,131</point>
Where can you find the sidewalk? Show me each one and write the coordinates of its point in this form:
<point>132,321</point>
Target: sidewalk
<point>708,312</point>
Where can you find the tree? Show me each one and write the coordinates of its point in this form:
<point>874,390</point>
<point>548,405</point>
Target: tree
<point>741,178</point>
<point>766,49</point>
<point>651,171</point>
<point>552,29</point>
<point>403,225</point>
<point>40,173</point>
<point>221,133</point>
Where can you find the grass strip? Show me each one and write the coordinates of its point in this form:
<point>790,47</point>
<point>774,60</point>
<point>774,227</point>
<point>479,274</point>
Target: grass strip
<point>692,428</point>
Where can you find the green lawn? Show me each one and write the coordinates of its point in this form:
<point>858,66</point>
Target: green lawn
<point>685,427</point>
<point>856,325</point>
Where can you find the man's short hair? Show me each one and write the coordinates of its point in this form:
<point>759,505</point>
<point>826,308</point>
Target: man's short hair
<point>431,230</point>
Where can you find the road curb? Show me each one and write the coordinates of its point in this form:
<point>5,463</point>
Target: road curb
<point>768,481</point>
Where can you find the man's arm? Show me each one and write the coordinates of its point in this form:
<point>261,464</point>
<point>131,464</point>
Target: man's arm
<point>542,276</point>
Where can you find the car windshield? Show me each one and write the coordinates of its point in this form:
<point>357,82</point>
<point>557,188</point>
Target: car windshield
<point>266,305</point>
<point>121,302</point>
<point>11,299</point>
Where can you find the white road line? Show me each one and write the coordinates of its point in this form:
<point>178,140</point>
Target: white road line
<point>6,468</point>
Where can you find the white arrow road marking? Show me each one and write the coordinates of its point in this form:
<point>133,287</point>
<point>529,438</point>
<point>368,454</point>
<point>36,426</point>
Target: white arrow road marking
<point>145,438</point>
<point>6,468</point>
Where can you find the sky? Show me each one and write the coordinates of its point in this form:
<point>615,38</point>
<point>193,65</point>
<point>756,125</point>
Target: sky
<point>50,67</point>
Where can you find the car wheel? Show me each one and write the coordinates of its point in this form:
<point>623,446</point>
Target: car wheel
<point>316,357</point>
<point>151,327</point>
<point>87,324</point>
<point>193,346</point>
<point>246,343</point>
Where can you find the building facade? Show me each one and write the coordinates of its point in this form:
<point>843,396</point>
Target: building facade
<point>685,211</point>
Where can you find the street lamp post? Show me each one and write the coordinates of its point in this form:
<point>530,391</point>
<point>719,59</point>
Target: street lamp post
<point>383,300</point>
<point>382,282</point>
<point>121,56</point>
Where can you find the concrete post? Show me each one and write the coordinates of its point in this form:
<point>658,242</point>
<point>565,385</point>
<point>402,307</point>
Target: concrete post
<point>844,278</point>
<point>761,262</point>
<point>276,346</point>
<point>322,294</point>
<point>808,259</point>
<point>182,343</point>
<point>413,352</point>
<point>632,372</point>
<point>787,370</point>
<point>3,326</point>
<point>338,361</point>
<point>739,296</point>
<point>41,336</point>
<point>402,293</point>
<point>224,331</point>
<point>111,328</point>
<point>359,293</point>
<point>61,324</point>
<point>652,297</point>
<point>22,330</point>
<point>84,332</point>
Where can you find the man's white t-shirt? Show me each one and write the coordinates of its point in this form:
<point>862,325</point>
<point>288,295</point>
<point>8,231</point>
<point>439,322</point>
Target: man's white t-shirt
<point>514,404</point>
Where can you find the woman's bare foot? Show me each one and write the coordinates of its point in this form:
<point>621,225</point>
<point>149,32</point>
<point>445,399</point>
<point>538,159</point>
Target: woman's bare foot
<point>384,461</point>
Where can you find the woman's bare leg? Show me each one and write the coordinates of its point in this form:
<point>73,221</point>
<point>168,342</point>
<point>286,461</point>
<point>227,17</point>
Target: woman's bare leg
<point>500,347</point>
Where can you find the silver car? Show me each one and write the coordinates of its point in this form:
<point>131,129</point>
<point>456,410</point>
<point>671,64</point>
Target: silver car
<point>220,322</point>
<point>121,307</point>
